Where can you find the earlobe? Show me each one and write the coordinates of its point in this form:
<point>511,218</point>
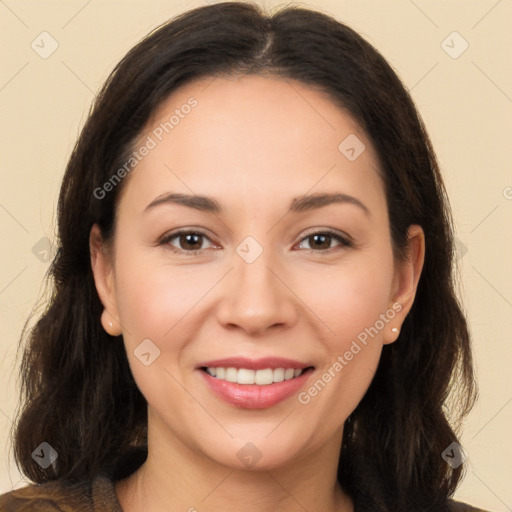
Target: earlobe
<point>102,268</point>
<point>406,279</point>
<point>110,324</point>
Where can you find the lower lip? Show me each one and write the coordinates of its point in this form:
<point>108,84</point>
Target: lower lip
<point>253,396</point>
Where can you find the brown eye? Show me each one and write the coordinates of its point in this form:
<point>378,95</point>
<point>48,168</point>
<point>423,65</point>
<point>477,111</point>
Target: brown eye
<point>186,241</point>
<point>192,241</point>
<point>322,241</point>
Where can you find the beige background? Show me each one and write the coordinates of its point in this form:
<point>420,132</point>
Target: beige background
<point>466,103</point>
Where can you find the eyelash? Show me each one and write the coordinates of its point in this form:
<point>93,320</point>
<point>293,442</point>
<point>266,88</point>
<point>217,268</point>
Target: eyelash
<point>165,241</point>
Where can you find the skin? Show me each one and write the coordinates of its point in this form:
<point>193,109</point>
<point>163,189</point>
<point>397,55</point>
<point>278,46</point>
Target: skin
<point>253,143</point>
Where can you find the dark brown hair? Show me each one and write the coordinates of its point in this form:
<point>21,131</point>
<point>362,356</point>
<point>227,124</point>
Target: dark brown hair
<point>78,393</point>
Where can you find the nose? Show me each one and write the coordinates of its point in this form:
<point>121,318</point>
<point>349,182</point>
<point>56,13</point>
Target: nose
<point>257,297</point>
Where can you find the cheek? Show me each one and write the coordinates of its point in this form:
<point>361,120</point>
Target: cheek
<point>153,298</point>
<point>350,299</point>
<point>156,302</point>
<point>354,304</point>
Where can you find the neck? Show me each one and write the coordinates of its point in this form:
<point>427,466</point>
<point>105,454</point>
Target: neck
<point>177,478</point>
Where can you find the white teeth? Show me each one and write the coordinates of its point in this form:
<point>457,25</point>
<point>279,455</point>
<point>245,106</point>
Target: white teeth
<point>259,377</point>
<point>264,377</point>
<point>231,374</point>
<point>279,375</point>
<point>289,373</point>
<point>245,376</point>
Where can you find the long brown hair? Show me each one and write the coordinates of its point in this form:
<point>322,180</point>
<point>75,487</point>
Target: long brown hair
<point>78,393</point>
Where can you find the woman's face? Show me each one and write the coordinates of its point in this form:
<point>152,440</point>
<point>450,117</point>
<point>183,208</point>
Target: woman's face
<point>285,263</point>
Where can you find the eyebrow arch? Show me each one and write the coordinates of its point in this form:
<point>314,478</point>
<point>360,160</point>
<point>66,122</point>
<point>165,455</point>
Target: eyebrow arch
<point>310,202</point>
<point>202,203</point>
<point>299,204</point>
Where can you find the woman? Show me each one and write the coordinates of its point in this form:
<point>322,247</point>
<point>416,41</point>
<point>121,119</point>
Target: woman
<point>253,305</point>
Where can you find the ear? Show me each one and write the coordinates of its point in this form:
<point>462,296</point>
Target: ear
<point>405,281</point>
<point>103,270</point>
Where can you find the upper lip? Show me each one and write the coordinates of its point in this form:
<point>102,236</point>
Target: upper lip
<point>254,364</point>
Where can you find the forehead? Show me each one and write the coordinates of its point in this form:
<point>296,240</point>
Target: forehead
<point>254,138</point>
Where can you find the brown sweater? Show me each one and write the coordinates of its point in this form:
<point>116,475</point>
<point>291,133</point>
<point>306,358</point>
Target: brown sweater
<point>97,495</point>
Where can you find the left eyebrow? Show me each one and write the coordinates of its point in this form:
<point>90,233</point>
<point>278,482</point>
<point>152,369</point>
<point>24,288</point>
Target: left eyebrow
<point>299,204</point>
<point>313,201</point>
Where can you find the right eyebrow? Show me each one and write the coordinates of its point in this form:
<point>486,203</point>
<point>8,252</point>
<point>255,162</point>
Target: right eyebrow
<point>202,203</point>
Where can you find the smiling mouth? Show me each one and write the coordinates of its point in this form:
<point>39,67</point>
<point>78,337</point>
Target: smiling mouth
<point>263,377</point>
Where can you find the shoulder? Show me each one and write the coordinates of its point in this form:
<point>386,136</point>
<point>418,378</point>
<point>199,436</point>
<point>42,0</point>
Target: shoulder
<point>48,497</point>
<point>96,495</point>
<point>61,496</point>
<point>458,506</point>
